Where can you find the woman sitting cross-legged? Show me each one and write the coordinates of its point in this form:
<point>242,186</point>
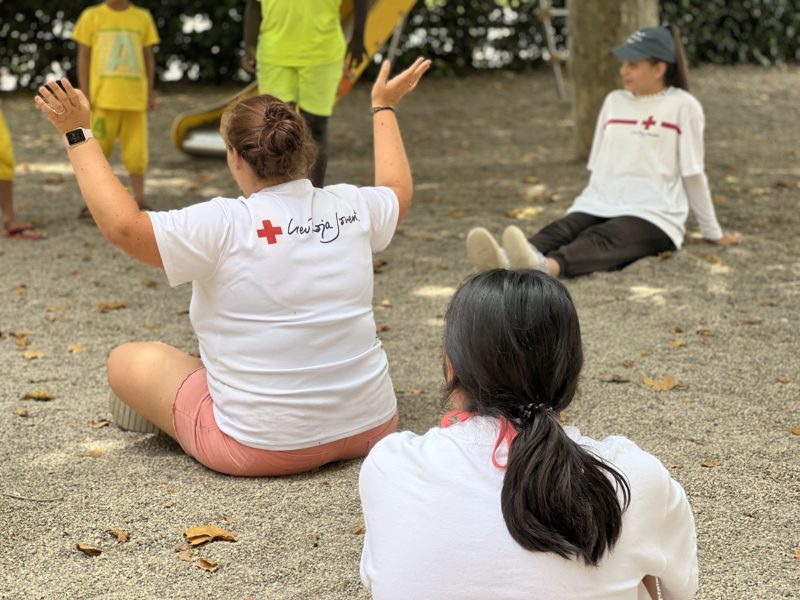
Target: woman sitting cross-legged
<point>291,375</point>
<point>502,501</point>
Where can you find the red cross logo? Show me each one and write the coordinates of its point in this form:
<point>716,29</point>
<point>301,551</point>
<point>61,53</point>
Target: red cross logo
<point>270,232</point>
<point>649,123</point>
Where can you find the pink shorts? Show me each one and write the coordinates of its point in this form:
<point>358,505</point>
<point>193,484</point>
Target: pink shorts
<point>199,436</point>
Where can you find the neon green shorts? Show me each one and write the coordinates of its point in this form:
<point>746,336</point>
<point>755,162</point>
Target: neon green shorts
<point>7,163</point>
<point>313,89</point>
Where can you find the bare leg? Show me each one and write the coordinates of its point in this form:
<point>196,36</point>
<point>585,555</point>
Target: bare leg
<point>652,586</point>
<point>7,204</point>
<point>146,376</point>
<point>137,183</point>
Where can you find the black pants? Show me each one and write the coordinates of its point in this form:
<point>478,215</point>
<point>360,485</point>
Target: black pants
<point>582,243</point>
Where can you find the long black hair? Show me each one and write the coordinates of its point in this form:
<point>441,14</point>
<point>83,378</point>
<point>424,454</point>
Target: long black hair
<point>677,73</point>
<point>512,346</point>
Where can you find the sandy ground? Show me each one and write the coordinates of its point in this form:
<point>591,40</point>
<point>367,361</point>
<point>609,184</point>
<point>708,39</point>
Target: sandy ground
<point>721,321</point>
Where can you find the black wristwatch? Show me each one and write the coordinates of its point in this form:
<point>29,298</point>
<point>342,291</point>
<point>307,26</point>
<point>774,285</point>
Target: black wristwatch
<point>77,136</point>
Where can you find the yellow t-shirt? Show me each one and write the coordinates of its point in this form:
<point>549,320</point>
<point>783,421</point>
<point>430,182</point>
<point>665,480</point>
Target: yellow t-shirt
<point>300,33</point>
<point>117,77</point>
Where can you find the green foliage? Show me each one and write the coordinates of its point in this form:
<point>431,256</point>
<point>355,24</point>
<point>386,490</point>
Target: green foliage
<point>460,35</point>
<point>737,31</point>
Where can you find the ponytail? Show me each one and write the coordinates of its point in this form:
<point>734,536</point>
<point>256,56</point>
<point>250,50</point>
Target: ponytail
<point>677,74</point>
<point>557,497</point>
<point>512,347</point>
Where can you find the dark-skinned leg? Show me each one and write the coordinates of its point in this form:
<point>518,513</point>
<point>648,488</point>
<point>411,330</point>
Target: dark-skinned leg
<point>318,127</point>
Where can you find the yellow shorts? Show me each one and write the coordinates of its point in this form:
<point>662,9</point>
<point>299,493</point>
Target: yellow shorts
<point>130,126</point>
<point>7,163</point>
<point>313,89</point>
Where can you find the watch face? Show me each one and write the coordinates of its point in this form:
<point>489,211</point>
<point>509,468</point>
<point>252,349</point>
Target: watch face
<point>75,137</point>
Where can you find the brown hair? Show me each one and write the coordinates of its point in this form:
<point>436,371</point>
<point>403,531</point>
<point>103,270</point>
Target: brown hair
<point>677,73</point>
<point>271,137</point>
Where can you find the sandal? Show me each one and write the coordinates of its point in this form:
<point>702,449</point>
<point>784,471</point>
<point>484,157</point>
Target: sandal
<point>24,232</point>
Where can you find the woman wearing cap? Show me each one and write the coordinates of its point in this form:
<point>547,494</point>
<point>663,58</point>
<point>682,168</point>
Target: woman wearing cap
<point>646,168</point>
<point>504,502</point>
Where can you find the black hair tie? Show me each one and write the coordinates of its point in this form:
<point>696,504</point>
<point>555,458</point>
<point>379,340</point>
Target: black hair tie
<point>528,413</point>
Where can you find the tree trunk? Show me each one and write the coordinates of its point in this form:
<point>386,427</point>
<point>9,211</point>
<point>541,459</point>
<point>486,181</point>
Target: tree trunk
<point>594,28</point>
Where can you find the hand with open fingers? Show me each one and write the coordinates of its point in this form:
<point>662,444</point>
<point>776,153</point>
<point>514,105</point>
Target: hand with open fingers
<point>64,106</point>
<point>388,92</point>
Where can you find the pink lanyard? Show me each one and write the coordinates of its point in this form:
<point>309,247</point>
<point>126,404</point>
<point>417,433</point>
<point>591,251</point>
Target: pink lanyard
<point>506,434</point>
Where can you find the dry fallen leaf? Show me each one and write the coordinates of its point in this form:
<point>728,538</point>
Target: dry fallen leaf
<point>21,290</point>
<point>794,430</point>
<point>185,555</point>
<point>797,554</point>
<point>767,302</point>
<point>315,539</point>
<point>360,530</point>
<point>38,395</point>
<point>386,302</point>
<point>151,283</point>
<point>169,504</point>
<point>665,384</point>
<point>230,518</point>
<point>94,452</point>
<point>676,330</point>
<point>710,464</point>
<point>76,348</point>
<point>665,255</point>
<point>121,534</point>
<point>677,343</point>
<point>56,307</point>
<point>21,412</point>
<point>750,322</point>
<point>21,340</point>
<point>32,354</point>
<point>381,327</point>
<point>714,259</point>
<point>207,565</point>
<point>107,305</point>
<point>784,378</point>
<point>88,549</point>
<point>529,212</point>
<point>208,533</point>
<point>628,364</point>
<point>458,214</point>
<point>99,423</point>
<point>613,378</point>
<point>378,264</point>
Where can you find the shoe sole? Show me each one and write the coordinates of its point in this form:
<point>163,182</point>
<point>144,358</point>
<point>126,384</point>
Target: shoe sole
<point>483,251</point>
<point>128,419</point>
<point>518,249</point>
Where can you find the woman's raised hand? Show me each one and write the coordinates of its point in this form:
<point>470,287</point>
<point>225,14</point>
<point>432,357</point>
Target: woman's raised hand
<point>64,106</point>
<point>388,92</point>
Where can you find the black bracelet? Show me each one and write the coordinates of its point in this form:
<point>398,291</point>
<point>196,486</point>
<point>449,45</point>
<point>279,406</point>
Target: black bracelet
<point>377,109</point>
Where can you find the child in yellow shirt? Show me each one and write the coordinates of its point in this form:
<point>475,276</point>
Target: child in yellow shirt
<point>116,70</point>
<point>12,228</point>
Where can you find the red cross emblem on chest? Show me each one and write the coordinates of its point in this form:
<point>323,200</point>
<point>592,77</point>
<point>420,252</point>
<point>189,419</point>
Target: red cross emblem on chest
<point>270,232</point>
<point>649,123</point>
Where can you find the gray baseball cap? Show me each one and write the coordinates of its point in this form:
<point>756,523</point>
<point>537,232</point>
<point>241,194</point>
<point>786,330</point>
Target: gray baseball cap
<point>648,42</point>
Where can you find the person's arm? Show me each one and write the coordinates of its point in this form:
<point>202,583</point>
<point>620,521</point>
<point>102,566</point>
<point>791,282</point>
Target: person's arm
<point>356,51</point>
<point>84,64</point>
<point>391,164</point>
<point>699,196</point>
<point>150,68</point>
<point>113,209</point>
<point>252,24</point>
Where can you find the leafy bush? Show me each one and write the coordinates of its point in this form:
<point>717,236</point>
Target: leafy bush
<point>200,39</point>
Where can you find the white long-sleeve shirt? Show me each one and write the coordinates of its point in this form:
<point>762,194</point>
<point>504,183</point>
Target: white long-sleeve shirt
<point>434,528</point>
<point>647,162</point>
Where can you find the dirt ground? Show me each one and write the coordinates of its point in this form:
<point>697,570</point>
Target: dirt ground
<point>721,321</point>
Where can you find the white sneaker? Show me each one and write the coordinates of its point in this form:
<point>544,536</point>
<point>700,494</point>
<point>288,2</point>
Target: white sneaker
<point>128,419</point>
<point>521,253</point>
<point>483,251</point>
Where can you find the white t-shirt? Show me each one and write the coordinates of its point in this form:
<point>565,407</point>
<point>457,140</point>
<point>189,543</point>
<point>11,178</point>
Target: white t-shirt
<point>282,308</point>
<point>643,148</point>
<point>434,528</point>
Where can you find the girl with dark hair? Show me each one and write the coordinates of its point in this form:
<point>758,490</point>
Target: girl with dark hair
<point>502,501</point>
<point>291,375</point>
<point>647,172</point>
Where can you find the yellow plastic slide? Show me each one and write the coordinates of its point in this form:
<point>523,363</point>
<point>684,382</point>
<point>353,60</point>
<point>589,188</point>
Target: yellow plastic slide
<point>196,132</point>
